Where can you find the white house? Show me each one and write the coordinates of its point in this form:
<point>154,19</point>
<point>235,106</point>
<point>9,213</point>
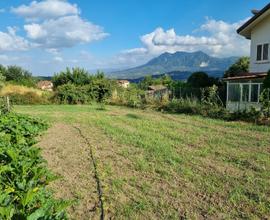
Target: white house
<point>123,83</point>
<point>243,91</point>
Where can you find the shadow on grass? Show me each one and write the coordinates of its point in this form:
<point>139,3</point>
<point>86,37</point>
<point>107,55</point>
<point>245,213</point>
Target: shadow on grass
<point>133,116</point>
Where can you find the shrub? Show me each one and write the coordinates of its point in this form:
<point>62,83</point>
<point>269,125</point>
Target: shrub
<point>18,76</point>
<point>194,107</point>
<point>210,96</point>
<point>265,103</point>
<point>23,174</point>
<point>72,94</point>
<point>186,106</point>
<point>131,97</point>
<point>76,76</point>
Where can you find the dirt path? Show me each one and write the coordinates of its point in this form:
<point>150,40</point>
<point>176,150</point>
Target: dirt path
<point>69,156</point>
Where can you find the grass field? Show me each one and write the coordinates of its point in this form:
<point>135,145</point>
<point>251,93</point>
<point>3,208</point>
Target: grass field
<point>152,165</point>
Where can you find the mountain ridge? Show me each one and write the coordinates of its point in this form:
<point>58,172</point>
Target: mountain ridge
<point>178,61</point>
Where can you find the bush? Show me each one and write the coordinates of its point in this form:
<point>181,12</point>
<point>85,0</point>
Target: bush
<point>131,97</point>
<point>185,106</point>
<point>194,107</point>
<point>76,76</point>
<point>265,103</point>
<point>72,94</point>
<point>23,174</point>
<point>18,76</point>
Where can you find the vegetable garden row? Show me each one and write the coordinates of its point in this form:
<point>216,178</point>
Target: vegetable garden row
<point>23,172</point>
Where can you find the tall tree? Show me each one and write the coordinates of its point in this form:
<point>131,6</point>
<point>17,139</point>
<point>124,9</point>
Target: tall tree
<point>201,80</point>
<point>241,66</point>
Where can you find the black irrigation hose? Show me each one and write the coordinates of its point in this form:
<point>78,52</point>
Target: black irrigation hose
<point>98,182</point>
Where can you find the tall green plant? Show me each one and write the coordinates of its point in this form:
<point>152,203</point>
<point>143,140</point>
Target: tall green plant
<point>265,102</point>
<point>210,96</point>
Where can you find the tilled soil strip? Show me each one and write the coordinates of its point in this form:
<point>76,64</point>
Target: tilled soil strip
<point>98,182</point>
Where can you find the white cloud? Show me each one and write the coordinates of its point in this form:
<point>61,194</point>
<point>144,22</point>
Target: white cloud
<point>64,32</point>
<point>204,64</point>
<point>10,41</point>
<point>58,59</point>
<point>2,10</point>
<point>217,38</point>
<point>46,9</point>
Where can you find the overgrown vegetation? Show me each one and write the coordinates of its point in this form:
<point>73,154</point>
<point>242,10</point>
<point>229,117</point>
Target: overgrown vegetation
<point>77,86</point>
<point>23,172</point>
<point>17,75</point>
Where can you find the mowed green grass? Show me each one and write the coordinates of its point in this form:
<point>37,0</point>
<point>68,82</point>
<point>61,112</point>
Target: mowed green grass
<point>163,166</point>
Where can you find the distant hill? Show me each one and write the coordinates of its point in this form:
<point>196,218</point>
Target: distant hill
<point>179,75</point>
<point>179,63</point>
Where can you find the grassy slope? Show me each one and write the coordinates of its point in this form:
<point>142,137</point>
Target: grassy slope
<point>156,165</point>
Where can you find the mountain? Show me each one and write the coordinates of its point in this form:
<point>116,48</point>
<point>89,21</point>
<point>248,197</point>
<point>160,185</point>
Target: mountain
<point>179,75</point>
<point>177,62</point>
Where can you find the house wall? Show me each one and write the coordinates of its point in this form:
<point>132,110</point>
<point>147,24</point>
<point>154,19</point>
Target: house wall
<point>260,35</point>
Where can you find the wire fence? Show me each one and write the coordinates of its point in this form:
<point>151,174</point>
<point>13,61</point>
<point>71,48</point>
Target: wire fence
<point>195,93</point>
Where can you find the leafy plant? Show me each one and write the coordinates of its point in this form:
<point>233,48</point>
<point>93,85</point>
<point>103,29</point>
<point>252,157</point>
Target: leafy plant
<point>23,174</point>
<point>210,96</point>
<point>265,102</point>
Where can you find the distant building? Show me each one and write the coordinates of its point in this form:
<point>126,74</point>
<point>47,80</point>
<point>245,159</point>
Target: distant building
<point>45,85</point>
<point>123,83</point>
<point>157,91</point>
<point>243,91</point>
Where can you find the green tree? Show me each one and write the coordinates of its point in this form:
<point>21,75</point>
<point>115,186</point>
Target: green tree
<point>75,76</point>
<point>18,75</point>
<point>166,80</point>
<point>2,78</point>
<point>241,66</point>
<point>266,82</point>
<point>146,82</point>
<point>201,80</point>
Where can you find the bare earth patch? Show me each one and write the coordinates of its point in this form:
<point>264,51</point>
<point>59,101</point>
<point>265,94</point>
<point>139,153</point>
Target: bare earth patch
<point>69,157</point>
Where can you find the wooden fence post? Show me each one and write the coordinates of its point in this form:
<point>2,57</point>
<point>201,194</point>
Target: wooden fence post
<point>8,103</point>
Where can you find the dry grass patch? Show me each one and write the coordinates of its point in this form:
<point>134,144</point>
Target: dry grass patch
<point>18,89</point>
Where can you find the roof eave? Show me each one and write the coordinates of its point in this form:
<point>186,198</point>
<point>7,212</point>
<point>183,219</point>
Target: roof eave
<point>246,27</point>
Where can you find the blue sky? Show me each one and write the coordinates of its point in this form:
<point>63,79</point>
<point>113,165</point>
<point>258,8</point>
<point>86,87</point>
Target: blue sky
<point>46,36</point>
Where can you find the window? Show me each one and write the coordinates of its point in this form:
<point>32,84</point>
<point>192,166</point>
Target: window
<point>259,52</point>
<point>254,93</point>
<point>245,93</point>
<point>234,92</point>
<point>262,52</point>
